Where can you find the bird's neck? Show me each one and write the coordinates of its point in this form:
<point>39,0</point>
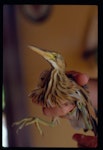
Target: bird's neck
<point>55,73</point>
<point>59,70</point>
<point>58,67</point>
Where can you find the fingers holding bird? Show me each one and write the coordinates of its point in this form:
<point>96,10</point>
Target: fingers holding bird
<point>81,79</point>
<point>58,111</point>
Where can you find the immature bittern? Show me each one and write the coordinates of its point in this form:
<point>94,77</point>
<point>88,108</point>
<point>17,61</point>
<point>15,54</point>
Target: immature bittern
<point>56,88</point>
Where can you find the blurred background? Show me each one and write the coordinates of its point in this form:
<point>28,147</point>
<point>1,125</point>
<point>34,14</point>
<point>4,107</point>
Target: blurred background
<point>71,30</point>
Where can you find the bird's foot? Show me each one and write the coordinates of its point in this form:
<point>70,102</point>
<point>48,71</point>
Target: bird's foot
<point>31,120</point>
<point>55,120</point>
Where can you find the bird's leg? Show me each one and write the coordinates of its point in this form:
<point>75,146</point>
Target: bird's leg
<point>84,114</point>
<point>31,120</point>
<point>55,120</point>
<point>73,110</point>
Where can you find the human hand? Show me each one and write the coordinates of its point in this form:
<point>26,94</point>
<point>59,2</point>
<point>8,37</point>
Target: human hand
<point>85,141</point>
<point>82,80</point>
<point>82,140</point>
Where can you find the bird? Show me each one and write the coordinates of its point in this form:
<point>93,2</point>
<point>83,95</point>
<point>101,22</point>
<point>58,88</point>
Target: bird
<point>55,88</point>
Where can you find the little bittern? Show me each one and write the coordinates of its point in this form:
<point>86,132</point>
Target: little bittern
<point>56,88</point>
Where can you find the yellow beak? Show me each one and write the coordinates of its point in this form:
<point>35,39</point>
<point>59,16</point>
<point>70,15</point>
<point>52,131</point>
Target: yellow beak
<point>46,54</point>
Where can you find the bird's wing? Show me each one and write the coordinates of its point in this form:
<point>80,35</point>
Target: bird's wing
<point>85,107</point>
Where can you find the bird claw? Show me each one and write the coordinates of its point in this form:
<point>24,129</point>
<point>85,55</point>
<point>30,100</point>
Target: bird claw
<point>55,120</point>
<point>28,121</point>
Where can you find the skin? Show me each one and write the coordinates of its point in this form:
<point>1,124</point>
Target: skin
<point>81,79</point>
<point>85,141</point>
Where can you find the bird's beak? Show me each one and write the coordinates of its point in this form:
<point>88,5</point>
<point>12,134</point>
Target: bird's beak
<point>46,54</point>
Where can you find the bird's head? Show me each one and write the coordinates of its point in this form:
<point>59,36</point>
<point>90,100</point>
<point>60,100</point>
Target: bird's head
<point>55,59</point>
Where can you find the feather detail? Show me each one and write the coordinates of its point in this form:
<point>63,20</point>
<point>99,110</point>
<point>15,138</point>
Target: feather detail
<point>55,88</point>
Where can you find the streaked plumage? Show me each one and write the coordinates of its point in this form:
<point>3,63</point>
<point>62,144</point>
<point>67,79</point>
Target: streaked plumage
<point>55,88</point>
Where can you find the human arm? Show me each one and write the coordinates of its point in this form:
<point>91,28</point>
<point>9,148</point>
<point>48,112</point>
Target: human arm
<point>81,79</point>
